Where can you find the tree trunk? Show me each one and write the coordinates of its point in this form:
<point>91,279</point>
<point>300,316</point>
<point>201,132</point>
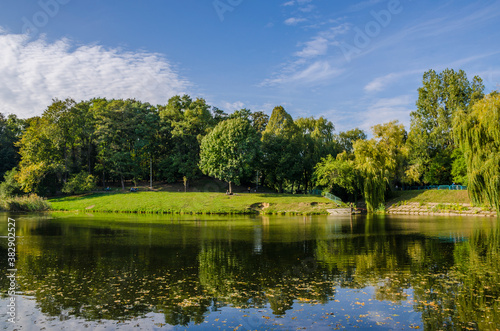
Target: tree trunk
<point>230,188</point>
<point>89,153</point>
<point>123,182</point>
<point>150,172</point>
<point>103,179</point>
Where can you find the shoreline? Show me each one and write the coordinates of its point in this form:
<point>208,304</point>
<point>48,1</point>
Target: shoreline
<point>440,209</point>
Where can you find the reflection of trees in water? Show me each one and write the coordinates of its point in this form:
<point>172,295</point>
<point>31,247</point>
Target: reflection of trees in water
<point>468,295</point>
<point>455,285</point>
<point>95,276</point>
<point>279,275</point>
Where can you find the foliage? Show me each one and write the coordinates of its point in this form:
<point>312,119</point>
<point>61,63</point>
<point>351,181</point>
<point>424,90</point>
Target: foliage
<point>459,167</point>
<point>30,203</point>
<point>80,183</point>
<point>10,187</point>
<point>478,133</point>
<point>11,129</point>
<point>281,150</point>
<point>346,139</point>
<point>186,122</point>
<point>316,141</point>
<point>341,171</point>
<point>229,151</point>
<point>431,124</point>
<point>379,160</point>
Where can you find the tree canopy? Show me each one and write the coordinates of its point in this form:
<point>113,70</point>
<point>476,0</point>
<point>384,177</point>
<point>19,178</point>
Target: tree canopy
<point>229,151</point>
<point>478,134</point>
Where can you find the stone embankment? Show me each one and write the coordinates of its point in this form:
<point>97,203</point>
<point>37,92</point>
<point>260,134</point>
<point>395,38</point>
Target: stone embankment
<point>440,209</point>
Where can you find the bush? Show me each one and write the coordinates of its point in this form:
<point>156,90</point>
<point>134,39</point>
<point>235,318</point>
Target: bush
<point>10,187</point>
<point>80,183</point>
<point>26,203</point>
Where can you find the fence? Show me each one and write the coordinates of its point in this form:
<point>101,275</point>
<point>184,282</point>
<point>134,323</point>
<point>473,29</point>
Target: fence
<point>435,187</point>
<point>327,195</point>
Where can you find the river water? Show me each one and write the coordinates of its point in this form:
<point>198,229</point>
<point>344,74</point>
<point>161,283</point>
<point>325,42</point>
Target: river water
<point>110,271</point>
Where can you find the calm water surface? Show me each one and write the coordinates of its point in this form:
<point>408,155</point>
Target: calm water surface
<point>108,272</point>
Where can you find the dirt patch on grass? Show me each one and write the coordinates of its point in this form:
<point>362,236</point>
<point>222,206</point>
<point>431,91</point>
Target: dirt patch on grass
<point>259,206</point>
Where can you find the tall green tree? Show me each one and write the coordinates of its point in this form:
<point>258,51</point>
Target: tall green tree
<point>346,139</point>
<point>338,173</point>
<point>229,151</point>
<point>430,136</point>
<point>478,134</point>
<point>281,147</point>
<point>11,129</point>
<point>126,131</point>
<point>378,161</point>
<point>42,164</point>
<point>317,141</point>
<point>187,122</point>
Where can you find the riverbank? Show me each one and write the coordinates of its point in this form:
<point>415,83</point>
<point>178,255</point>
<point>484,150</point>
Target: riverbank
<point>195,203</point>
<point>29,203</point>
<point>435,202</point>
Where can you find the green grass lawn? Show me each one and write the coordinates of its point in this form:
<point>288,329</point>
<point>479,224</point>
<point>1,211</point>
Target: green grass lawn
<point>195,203</point>
<point>424,196</point>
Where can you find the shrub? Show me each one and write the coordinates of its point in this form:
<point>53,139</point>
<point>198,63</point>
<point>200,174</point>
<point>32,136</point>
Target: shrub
<point>10,187</point>
<point>80,183</point>
<point>25,203</point>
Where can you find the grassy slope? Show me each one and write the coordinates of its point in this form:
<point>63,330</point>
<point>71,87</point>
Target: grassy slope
<point>438,196</point>
<point>196,203</point>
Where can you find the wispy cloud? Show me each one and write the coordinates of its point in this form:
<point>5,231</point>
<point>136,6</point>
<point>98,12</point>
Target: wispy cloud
<point>387,109</point>
<point>35,71</point>
<point>314,73</point>
<point>362,5</point>
<point>294,20</point>
<point>311,64</point>
<point>381,83</point>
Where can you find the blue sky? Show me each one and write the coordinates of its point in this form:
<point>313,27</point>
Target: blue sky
<point>356,63</point>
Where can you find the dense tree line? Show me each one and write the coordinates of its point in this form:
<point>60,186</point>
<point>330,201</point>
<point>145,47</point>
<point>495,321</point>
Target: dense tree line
<point>74,147</point>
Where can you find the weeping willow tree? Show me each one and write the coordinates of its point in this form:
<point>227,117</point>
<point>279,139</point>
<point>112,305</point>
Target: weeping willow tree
<point>478,133</point>
<point>379,160</point>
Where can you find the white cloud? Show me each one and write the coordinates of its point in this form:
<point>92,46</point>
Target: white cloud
<point>380,83</point>
<point>289,3</point>
<point>388,109</point>
<point>315,73</point>
<point>35,71</point>
<point>307,68</point>
<point>307,9</point>
<point>294,20</point>
<point>317,46</point>
<point>230,107</point>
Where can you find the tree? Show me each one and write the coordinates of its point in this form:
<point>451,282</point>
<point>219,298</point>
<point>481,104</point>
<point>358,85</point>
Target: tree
<point>339,172</point>
<point>431,124</point>
<point>478,134</point>
<point>126,131</point>
<point>227,153</point>
<point>11,129</point>
<point>259,121</point>
<point>459,167</point>
<point>42,165</point>
<point>281,147</point>
<point>186,122</point>
<point>378,161</point>
<point>346,139</point>
<point>317,141</point>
